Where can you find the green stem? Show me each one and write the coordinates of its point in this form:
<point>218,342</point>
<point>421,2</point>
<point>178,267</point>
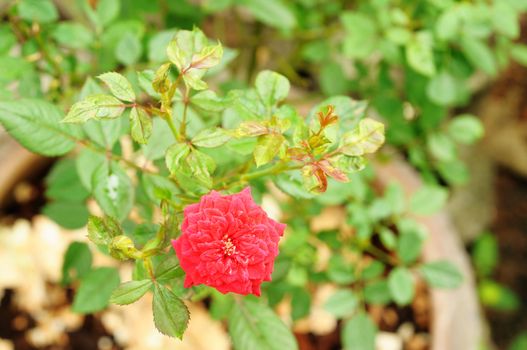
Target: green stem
<point>170,123</point>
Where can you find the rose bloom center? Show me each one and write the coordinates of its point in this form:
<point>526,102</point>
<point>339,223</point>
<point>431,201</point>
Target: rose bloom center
<point>228,247</point>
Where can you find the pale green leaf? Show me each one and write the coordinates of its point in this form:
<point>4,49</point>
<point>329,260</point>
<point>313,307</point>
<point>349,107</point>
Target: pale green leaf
<point>95,107</point>
<point>359,333</point>
<point>441,274</point>
<point>113,190</point>
<point>466,129</point>
<point>42,11</point>
<point>252,325</point>
<point>129,49</point>
<point>428,200</point>
<point>271,87</point>
<point>119,86</point>
<point>419,54</point>
<point>267,148</point>
<point>103,230</point>
<point>367,137</point>
<point>73,35</point>
<point>140,125</point>
<point>343,303</point>
<point>274,13</point>
<point>479,54</point>
<point>175,156</point>
<point>210,138</point>
<point>401,284</point>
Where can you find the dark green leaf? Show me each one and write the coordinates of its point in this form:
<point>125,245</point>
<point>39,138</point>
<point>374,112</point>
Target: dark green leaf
<point>77,262</point>
<point>36,125</point>
<point>171,315</point>
<point>130,292</point>
<point>67,214</point>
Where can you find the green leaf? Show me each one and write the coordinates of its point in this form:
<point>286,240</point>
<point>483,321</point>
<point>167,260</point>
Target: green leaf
<point>119,86</point>
<point>497,296</point>
<point>359,333</point>
<point>107,10</point>
<point>8,39</point>
<point>519,53</point>
<point>42,11</point>
<point>77,262</point>
<point>441,147</point>
<point>73,35</point>
<point>70,215</point>
<point>113,190</point>
<point>479,54</point>
<point>208,101</point>
<point>95,290</point>
<point>441,274</point>
<point>466,129</point>
<point>129,49</point>
<point>130,292</point>
<point>504,19</point>
<point>361,37</point>
<point>300,303</point>
<point>36,125</point>
<point>485,254</point>
<point>176,156</point>
<point>448,24</point>
<point>428,200</point>
<point>103,230</point>
<point>171,315</point>
<point>271,87</point>
<point>377,293</point>
<point>367,137</point>
<point>157,45</point>
<point>210,138</point>
<point>333,80</point>
<point>519,342</point>
<point>419,54</point>
<point>168,269</point>
<point>401,284</point>
<point>185,47</point>
<point>341,304</point>
<point>201,167</point>
<point>267,148</point>
<point>274,13</point>
<point>141,125</point>
<point>253,325</point>
<point>86,163</point>
<point>63,182</point>
<point>409,246</point>
<point>95,106</point>
<point>442,89</point>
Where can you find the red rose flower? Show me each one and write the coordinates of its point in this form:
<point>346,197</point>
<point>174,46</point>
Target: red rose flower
<point>228,242</point>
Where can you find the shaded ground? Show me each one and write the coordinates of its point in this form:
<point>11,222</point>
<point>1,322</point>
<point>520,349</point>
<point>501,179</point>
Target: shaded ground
<point>510,228</point>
